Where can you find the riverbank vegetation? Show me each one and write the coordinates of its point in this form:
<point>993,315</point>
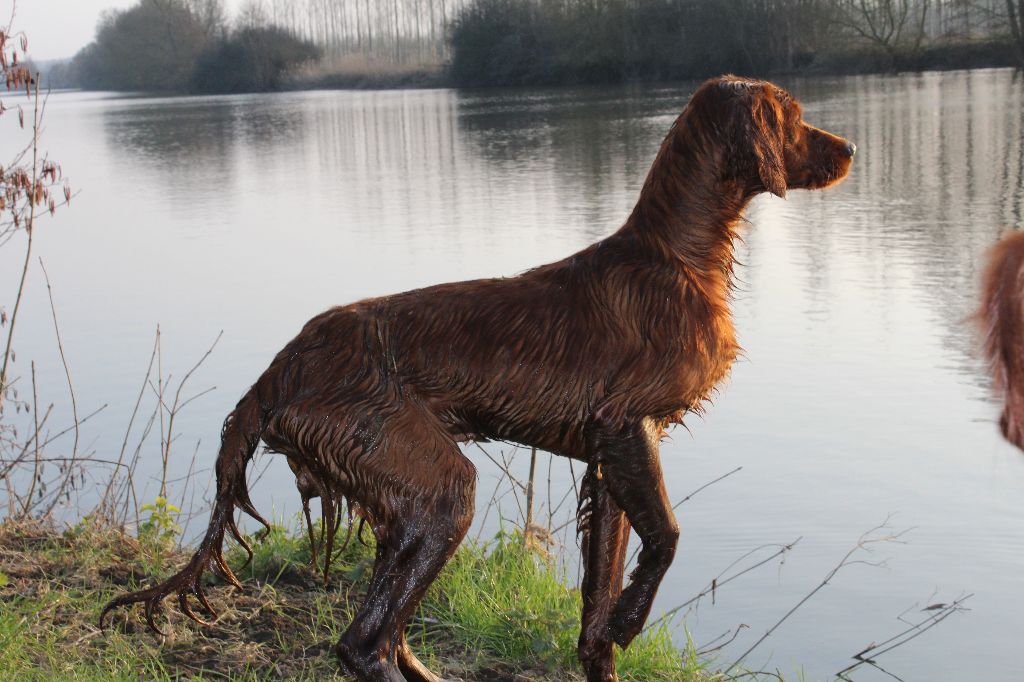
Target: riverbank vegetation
<point>541,42</point>
<point>500,612</point>
<point>195,45</point>
<point>186,46</point>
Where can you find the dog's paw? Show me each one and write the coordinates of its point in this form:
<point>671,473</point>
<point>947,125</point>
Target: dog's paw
<point>601,668</point>
<point>597,673</point>
<point>366,665</point>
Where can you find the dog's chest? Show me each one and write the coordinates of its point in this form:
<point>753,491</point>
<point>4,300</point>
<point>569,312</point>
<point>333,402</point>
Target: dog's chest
<point>704,352</point>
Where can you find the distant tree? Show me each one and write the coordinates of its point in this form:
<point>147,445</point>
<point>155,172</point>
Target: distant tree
<point>1015,17</point>
<point>252,59</point>
<point>253,14</point>
<point>540,41</point>
<point>151,46</point>
<point>211,16</point>
<point>897,27</point>
<point>59,74</point>
<point>180,45</point>
<point>496,42</point>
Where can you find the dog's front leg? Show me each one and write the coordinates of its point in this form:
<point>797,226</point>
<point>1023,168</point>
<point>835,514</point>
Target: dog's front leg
<point>605,538</point>
<point>629,462</point>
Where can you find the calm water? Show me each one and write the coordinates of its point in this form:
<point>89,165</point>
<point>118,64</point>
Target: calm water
<point>859,395</point>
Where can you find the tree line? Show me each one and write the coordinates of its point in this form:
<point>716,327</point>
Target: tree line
<point>560,41</point>
<point>384,32</point>
<point>194,44</point>
<point>186,45</point>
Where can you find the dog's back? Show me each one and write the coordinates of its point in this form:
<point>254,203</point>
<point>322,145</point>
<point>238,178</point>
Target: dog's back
<point>524,359</point>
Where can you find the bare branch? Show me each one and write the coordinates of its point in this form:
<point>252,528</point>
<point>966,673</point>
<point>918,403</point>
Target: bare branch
<point>864,543</point>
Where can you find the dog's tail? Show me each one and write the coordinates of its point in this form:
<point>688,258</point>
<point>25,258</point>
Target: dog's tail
<point>239,439</point>
<point>1001,317</point>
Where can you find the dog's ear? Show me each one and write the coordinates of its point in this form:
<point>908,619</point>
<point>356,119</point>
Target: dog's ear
<point>768,139</point>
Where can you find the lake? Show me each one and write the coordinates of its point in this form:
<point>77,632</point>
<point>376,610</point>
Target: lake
<point>859,396</point>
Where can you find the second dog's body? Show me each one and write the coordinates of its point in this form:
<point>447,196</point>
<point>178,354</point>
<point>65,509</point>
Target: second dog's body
<point>590,357</point>
<point>1001,317</point>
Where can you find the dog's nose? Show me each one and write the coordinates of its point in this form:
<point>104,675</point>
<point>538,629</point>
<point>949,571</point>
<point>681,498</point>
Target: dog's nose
<point>851,149</point>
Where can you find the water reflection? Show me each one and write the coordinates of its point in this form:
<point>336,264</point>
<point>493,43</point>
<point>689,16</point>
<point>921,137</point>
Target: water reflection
<point>938,179</point>
<point>597,144</point>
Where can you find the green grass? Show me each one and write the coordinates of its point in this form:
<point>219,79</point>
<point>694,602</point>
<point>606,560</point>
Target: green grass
<point>498,611</point>
<point>513,604</point>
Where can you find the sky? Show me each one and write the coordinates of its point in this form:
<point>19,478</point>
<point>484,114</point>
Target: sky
<point>59,28</point>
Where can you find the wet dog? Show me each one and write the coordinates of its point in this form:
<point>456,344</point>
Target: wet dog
<point>592,357</point>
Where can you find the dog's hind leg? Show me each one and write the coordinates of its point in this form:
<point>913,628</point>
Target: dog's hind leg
<point>421,508</point>
<point>632,471</point>
<point>605,539</point>
<point>411,668</point>
<point>417,547</point>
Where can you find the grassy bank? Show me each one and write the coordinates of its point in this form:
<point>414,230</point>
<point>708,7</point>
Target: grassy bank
<point>498,613</point>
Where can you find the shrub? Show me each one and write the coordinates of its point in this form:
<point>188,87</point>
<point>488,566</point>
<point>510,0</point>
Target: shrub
<point>254,59</point>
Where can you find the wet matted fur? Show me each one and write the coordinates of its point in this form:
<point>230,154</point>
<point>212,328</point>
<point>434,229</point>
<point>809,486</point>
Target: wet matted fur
<point>591,357</point>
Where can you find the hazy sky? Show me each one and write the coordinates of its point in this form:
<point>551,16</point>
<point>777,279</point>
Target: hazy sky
<point>59,28</point>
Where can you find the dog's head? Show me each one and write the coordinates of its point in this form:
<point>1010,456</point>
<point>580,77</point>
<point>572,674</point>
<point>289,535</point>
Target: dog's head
<point>766,144</point>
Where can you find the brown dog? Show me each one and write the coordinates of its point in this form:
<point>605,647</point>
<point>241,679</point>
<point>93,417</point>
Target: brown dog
<point>591,357</point>
<point>1001,316</point>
